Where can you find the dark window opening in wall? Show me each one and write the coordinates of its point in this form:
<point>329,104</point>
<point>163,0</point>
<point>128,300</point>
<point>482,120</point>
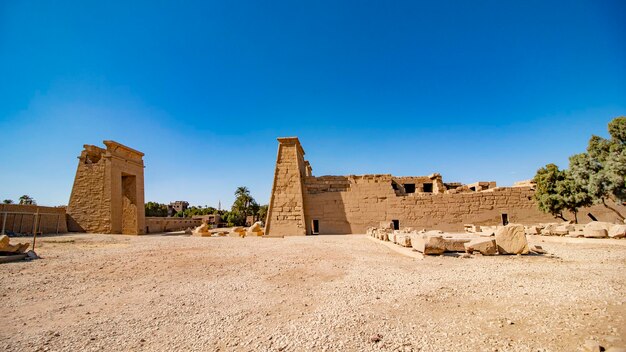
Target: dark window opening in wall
<point>409,187</point>
<point>316,227</point>
<point>394,186</point>
<point>428,187</point>
<point>396,224</point>
<point>505,219</point>
<point>473,189</point>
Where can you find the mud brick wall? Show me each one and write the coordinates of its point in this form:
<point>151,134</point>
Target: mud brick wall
<point>161,224</point>
<point>21,219</point>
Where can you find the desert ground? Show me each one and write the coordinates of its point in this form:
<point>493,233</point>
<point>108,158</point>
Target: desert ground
<point>319,293</point>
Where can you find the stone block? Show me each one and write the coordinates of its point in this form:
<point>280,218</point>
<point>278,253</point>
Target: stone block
<point>485,246</point>
<point>511,239</point>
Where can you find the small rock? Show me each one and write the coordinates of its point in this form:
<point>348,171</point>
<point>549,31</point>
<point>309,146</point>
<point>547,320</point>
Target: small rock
<point>592,346</point>
<point>376,338</point>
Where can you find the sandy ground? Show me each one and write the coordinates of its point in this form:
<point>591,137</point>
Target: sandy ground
<point>164,293</point>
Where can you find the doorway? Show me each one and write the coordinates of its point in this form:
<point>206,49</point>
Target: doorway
<point>505,219</point>
<point>396,224</point>
<point>129,204</point>
<point>316,227</point>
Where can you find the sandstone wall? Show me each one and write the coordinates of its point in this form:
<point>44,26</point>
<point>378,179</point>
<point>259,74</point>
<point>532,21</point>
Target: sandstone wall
<point>161,224</point>
<point>370,199</point>
<point>21,219</point>
<point>89,208</point>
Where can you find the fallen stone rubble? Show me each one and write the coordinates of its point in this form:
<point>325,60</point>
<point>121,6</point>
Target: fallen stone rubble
<point>510,239</point>
<point>238,231</point>
<point>594,229</point>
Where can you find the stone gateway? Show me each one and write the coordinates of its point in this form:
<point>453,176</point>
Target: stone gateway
<point>108,192</point>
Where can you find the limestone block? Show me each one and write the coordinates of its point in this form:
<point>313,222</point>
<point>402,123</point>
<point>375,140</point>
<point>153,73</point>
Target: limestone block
<point>511,239</point>
<point>403,240</point>
<point>455,244</point>
<point>618,231</point>
<point>533,230</point>
<point>597,229</point>
<point>428,244</point>
<point>485,246</point>
<point>596,233</point>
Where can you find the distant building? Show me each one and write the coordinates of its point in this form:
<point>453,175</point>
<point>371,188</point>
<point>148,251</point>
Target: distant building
<point>213,220</point>
<point>177,206</point>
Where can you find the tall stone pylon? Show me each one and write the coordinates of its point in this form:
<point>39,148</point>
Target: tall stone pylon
<point>285,216</point>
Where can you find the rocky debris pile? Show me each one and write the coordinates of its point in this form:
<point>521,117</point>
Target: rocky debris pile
<point>238,231</point>
<point>9,248</point>
<point>510,239</point>
<point>594,229</point>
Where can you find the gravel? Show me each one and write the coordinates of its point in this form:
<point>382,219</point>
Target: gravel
<point>324,293</point>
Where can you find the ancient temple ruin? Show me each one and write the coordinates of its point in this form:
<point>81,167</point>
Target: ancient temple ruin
<point>108,191</point>
<point>302,204</point>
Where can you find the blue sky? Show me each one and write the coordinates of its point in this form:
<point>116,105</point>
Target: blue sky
<point>475,90</point>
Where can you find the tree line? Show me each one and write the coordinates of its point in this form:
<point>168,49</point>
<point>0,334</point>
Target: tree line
<point>243,206</point>
<point>597,176</point>
<point>24,200</point>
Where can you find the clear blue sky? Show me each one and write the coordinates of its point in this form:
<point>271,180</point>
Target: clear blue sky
<point>475,90</point>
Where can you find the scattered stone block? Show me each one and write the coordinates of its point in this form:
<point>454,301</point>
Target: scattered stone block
<point>597,225</point>
<point>596,233</point>
<point>403,240</point>
<point>455,244</point>
<point>592,346</point>
<point>511,239</point>
<point>618,231</point>
<point>537,249</point>
<point>485,246</point>
<point>428,244</point>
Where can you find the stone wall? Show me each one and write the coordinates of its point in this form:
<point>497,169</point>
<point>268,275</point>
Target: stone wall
<point>162,224</point>
<point>371,199</point>
<point>21,219</point>
<point>350,204</point>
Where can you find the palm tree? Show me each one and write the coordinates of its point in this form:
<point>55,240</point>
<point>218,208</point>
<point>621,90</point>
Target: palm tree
<point>7,201</point>
<point>27,200</point>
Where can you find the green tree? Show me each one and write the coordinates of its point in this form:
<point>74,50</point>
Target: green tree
<point>262,213</point>
<point>601,171</point>
<point>557,191</point>
<point>7,201</point>
<point>156,209</point>
<point>27,200</point>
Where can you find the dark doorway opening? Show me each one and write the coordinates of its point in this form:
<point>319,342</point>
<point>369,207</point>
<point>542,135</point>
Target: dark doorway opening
<point>505,219</point>
<point>409,187</point>
<point>428,187</point>
<point>396,224</point>
<point>316,227</point>
<point>473,189</point>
